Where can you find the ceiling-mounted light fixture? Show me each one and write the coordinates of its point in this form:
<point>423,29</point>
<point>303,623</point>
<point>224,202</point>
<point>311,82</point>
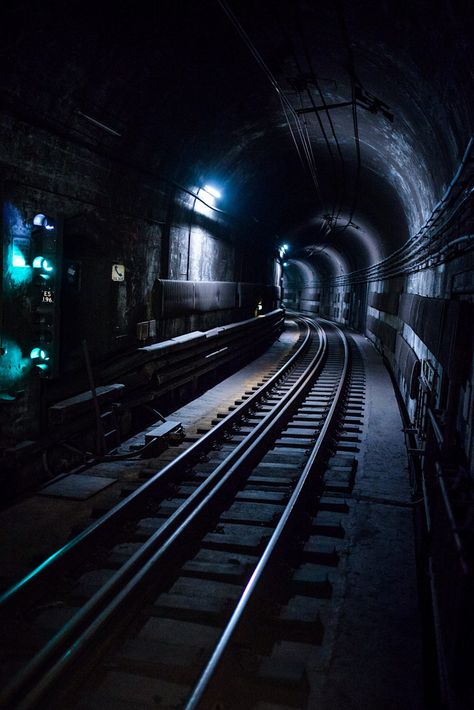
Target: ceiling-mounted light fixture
<point>207,199</point>
<point>212,191</point>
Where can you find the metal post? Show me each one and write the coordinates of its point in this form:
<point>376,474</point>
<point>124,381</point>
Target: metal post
<point>100,442</point>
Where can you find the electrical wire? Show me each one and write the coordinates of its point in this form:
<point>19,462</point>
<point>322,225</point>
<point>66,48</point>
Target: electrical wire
<point>288,108</point>
<point>340,189</point>
<point>354,81</point>
<point>339,172</point>
<point>300,70</point>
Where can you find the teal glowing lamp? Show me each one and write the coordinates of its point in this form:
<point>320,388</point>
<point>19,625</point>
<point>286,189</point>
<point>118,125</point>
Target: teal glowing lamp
<point>19,260</point>
<point>39,357</point>
<point>39,262</point>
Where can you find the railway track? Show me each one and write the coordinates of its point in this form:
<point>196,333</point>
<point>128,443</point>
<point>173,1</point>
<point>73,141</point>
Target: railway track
<point>179,576</point>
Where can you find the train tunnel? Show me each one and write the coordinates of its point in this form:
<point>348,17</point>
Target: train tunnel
<point>187,188</point>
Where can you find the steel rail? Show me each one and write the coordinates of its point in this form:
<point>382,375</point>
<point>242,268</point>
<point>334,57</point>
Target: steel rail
<point>286,521</point>
<point>45,669</point>
<point>68,554</point>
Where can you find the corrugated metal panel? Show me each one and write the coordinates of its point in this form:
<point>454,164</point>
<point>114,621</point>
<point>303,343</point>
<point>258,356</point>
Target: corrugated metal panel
<point>181,298</point>
<point>176,298</point>
<point>205,296</point>
<point>214,295</point>
<point>408,364</point>
<point>404,310</point>
<point>227,294</point>
<point>432,322</point>
<point>426,317</point>
<point>383,331</point>
<point>387,302</point>
<point>456,343</point>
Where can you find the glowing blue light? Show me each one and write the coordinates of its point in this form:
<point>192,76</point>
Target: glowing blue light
<point>18,260</point>
<point>39,262</point>
<point>212,191</point>
<point>39,354</point>
<point>13,366</point>
<point>285,247</point>
<point>208,196</point>
<point>285,263</point>
<point>40,220</point>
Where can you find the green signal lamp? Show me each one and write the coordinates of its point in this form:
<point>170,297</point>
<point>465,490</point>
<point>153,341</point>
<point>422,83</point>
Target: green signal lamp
<point>40,262</point>
<point>19,260</point>
<point>39,357</point>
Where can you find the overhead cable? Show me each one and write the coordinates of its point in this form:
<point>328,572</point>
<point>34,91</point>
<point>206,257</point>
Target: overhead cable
<point>288,109</point>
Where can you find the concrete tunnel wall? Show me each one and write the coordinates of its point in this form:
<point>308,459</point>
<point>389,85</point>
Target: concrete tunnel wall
<point>114,121</point>
<point>420,321</point>
<point>155,234</point>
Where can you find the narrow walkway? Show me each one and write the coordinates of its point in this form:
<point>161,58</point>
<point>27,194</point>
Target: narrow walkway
<point>373,658</point>
<point>37,526</point>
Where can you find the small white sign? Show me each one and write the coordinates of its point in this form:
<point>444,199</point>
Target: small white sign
<point>118,272</point>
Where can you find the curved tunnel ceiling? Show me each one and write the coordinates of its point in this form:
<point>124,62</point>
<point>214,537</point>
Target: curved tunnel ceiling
<point>212,90</point>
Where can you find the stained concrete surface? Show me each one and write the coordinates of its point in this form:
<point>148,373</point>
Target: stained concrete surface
<point>371,659</point>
